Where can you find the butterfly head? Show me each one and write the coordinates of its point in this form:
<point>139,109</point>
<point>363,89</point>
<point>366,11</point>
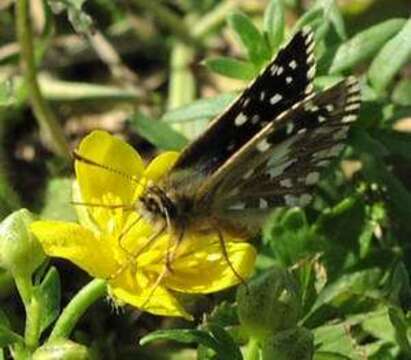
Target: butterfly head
<point>158,205</point>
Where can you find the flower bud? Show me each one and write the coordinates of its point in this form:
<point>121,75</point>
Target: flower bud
<point>20,252</point>
<point>269,303</point>
<point>61,349</point>
<point>291,344</point>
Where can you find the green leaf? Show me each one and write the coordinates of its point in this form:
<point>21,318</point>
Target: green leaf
<point>189,337</point>
<point>81,22</point>
<point>274,24</point>
<point>399,322</point>
<point>392,57</point>
<point>398,285</point>
<point>200,109</point>
<point>402,93</point>
<point>333,15</point>
<point>250,37</point>
<point>7,336</point>
<point>6,94</point>
<point>231,68</point>
<point>159,133</point>
<point>327,355</point>
<point>334,339</point>
<point>48,294</point>
<point>355,284</point>
<point>311,17</point>
<point>377,324</point>
<point>288,236</point>
<point>398,143</point>
<point>372,154</point>
<point>364,45</point>
<point>230,349</point>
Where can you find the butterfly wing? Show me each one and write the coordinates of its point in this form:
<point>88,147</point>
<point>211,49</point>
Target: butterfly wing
<point>283,162</point>
<point>285,81</point>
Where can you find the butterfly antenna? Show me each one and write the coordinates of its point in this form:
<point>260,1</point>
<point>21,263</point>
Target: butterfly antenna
<point>106,206</point>
<point>227,259</point>
<point>88,161</point>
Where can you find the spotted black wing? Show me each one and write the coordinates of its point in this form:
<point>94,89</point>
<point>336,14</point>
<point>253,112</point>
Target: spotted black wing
<point>284,82</point>
<point>281,164</point>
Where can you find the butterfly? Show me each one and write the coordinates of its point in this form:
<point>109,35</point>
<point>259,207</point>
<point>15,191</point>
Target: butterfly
<point>266,150</point>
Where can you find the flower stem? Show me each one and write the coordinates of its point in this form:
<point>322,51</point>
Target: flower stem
<point>71,314</point>
<point>32,307</point>
<point>253,349</point>
<point>213,18</point>
<point>43,113</point>
<point>167,18</point>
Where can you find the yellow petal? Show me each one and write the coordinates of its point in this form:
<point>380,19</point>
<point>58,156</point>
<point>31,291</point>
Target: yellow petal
<point>77,244</point>
<point>146,295</point>
<point>112,153</point>
<point>205,269</point>
<point>161,165</point>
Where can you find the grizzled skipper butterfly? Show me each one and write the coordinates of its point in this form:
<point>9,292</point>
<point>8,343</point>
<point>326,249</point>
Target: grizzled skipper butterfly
<point>266,150</point>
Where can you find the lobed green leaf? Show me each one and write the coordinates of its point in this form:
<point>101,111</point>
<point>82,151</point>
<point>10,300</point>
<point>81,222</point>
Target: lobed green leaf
<point>206,108</point>
<point>231,68</point>
<point>250,37</point>
<point>392,57</point>
<point>159,133</point>
<point>274,24</point>
<point>364,45</point>
<point>48,294</point>
<point>401,94</point>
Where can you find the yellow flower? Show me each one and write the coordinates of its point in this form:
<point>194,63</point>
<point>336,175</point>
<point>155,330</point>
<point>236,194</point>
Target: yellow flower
<point>104,241</point>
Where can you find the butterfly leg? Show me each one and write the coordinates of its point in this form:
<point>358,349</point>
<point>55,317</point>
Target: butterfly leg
<point>226,257</point>
<point>172,249</point>
<point>135,254</point>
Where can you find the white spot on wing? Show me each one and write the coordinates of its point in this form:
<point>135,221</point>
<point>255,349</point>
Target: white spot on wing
<point>255,119</point>
<point>240,119</point>
<point>275,99</point>
<point>279,169</point>
<point>352,107</point>
<point>262,95</point>
<point>263,145</point>
<point>291,200</point>
<point>263,204</point>
<point>304,199</point>
<point>349,118</point>
<point>312,178</point>
<point>293,64</point>
<point>288,79</point>
<point>286,183</point>
<point>237,206</point>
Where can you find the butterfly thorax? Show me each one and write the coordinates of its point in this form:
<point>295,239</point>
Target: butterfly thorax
<point>161,206</point>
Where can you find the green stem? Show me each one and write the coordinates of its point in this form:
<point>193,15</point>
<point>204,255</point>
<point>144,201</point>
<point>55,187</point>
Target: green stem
<point>174,23</point>
<point>75,309</point>
<point>214,18</point>
<point>253,350</point>
<point>32,307</point>
<point>45,117</point>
